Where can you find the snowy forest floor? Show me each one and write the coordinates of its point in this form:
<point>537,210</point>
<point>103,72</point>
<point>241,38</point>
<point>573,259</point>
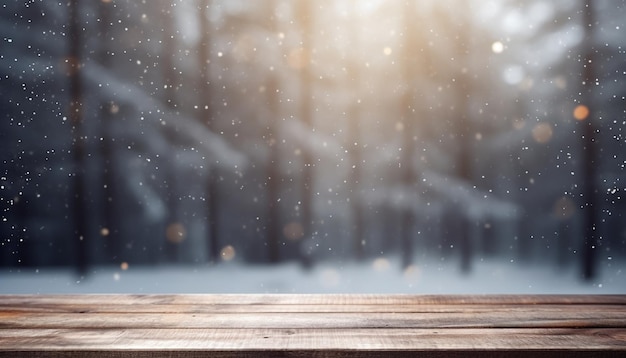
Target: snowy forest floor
<point>371,276</point>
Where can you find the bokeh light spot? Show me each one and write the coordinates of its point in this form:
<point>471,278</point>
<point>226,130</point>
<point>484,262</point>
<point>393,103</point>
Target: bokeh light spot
<point>381,264</point>
<point>497,47</point>
<point>293,231</point>
<point>411,274</point>
<point>298,58</point>
<point>519,123</point>
<point>114,108</point>
<point>228,253</point>
<point>581,112</point>
<point>175,233</point>
<point>564,208</point>
<point>542,133</point>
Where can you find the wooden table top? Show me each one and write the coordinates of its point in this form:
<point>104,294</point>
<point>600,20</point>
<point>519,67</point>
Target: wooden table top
<point>311,325</point>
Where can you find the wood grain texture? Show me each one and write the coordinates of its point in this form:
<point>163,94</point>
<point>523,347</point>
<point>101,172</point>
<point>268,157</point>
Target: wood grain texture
<point>311,325</point>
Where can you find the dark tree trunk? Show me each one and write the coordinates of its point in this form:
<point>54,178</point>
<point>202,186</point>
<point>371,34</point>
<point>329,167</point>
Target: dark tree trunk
<point>304,16</point>
<point>407,103</point>
<point>109,229</point>
<point>464,225</point>
<point>206,116</point>
<point>489,240</point>
<point>355,146</point>
<point>563,242</point>
<point>173,231</point>
<point>589,190</point>
<point>525,236</point>
<point>464,135</point>
<point>273,234</point>
<point>78,150</point>
<point>168,51</point>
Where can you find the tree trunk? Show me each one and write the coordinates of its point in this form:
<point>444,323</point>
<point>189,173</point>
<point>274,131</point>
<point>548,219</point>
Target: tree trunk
<point>109,229</point>
<point>204,59</point>
<point>464,135</point>
<point>273,234</point>
<point>407,110</point>
<point>76,119</point>
<point>173,229</point>
<point>304,16</point>
<point>355,146</point>
<point>589,190</point>
<point>563,242</point>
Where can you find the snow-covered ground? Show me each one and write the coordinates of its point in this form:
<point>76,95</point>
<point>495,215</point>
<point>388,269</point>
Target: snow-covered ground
<point>374,276</point>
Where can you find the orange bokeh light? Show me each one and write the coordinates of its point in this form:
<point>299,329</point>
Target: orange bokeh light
<point>175,233</point>
<point>542,133</point>
<point>228,253</point>
<point>581,112</point>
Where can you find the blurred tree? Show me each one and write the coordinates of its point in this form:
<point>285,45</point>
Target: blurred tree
<point>173,232</point>
<point>304,17</point>
<point>586,114</point>
<point>207,117</point>
<point>273,233</point>
<point>409,108</point>
<point>472,104</point>
<point>354,143</point>
<point>109,226</point>
<point>462,43</point>
<point>75,114</point>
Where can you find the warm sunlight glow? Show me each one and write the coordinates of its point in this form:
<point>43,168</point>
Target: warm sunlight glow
<point>497,47</point>
<point>297,58</point>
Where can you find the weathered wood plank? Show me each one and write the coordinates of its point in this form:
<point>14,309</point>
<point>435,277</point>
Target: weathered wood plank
<point>331,353</point>
<point>313,339</point>
<point>310,325</point>
<point>318,299</point>
<point>500,319</point>
<point>62,307</point>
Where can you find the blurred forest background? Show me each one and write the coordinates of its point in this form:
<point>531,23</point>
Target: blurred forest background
<point>165,131</point>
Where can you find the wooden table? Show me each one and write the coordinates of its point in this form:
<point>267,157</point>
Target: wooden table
<point>311,325</point>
